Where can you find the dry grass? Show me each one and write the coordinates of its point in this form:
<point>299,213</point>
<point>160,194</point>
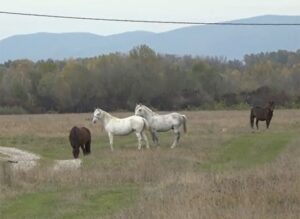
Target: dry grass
<point>166,183</point>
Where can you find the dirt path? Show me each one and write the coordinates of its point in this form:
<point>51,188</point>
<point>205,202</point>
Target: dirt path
<point>63,165</point>
<point>23,160</point>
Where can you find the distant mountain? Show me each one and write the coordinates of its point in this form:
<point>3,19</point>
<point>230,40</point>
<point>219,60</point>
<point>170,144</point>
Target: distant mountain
<point>201,40</point>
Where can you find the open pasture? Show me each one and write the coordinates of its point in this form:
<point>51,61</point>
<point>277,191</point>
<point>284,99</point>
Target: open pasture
<point>221,168</point>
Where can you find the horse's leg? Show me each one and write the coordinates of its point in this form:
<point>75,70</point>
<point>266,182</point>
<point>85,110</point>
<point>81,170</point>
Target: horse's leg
<point>111,141</point>
<point>268,123</point>
<point>256,123</point>
<point>252,119</point>
<point>145,139</point>
<point>154,136</point>
<point>176,138</point>
<point>88,147</point>
<point>83,149</point>
<point>139,137</point>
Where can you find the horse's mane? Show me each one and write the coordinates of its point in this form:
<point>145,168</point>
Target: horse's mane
<point>105,113</point>
<point>148,109</point>
<point>106,116</point>
<point>73,132</point>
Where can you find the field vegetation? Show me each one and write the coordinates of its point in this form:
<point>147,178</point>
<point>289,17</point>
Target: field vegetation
<point>166,82</point>
<point>220,169</point>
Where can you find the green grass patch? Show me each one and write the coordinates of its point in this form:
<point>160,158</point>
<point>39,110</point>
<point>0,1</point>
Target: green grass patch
<point>69,203</point>
<point>59,147</point>
<point>248,150</point>
<point>47,147</point>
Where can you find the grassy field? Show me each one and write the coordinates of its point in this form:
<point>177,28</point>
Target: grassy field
<point>220,169</point>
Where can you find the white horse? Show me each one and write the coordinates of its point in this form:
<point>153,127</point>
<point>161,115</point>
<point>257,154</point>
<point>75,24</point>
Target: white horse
<point>116,126</point>
<point>162,123</point>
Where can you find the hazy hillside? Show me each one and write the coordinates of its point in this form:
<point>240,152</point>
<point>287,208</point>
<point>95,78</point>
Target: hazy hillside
<point>229,41</point>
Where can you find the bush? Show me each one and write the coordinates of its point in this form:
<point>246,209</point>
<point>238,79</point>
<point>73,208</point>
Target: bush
<point>12,110</point>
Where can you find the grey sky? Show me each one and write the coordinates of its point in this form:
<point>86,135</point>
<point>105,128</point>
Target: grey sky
<point>187,10</point>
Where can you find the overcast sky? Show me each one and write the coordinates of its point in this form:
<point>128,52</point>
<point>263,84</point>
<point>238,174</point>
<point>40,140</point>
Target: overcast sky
<point>186,10</point>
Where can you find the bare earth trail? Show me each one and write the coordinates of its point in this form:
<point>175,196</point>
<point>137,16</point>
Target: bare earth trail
<point>23,160</point>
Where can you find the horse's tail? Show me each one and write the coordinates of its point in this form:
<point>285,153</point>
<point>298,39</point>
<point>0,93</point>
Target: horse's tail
<point>252,118</point>
<point>184,123</point>
<point>146,124</point>
<point>88,141</point>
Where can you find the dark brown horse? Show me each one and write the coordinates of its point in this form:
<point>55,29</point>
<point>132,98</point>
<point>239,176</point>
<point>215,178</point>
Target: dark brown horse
<point>80,137</point>
<point>262,114</point>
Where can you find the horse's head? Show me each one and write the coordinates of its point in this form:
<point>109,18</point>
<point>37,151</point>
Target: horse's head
<point>139,110</point>
<point>97,115</point>
<point>143,111</point>
<point>138,105</point>
<point>76,152</point>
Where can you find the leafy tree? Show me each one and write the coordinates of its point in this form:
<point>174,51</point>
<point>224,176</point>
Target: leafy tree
<point>119,81</point>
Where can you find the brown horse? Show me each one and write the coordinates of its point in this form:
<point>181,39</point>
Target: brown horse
<point>262,114</point>
<point>80,137</point>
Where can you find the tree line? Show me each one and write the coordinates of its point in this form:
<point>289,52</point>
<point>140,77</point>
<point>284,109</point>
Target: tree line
<point>165,82</point>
